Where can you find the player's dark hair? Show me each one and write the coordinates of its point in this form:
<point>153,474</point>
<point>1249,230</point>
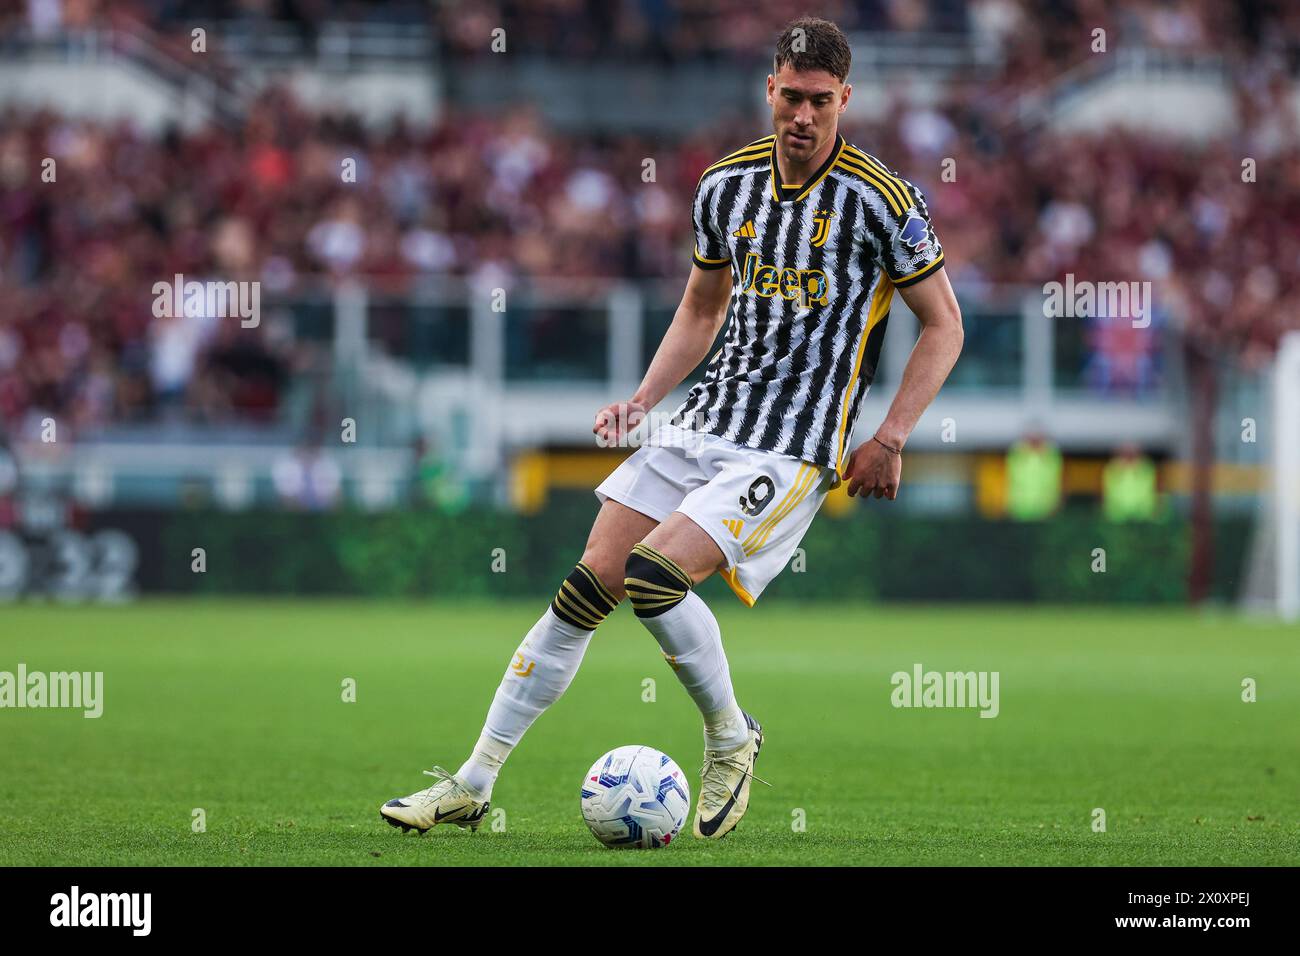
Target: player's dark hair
<point>811,43</point>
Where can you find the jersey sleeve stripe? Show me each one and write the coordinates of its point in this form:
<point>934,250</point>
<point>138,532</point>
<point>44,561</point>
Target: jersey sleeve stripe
<point>872,161</point>
<point>900,184</point>
<point>877,181</point>
<point>755,150</point>
<point>920,274</point>
<point>899,200</point>
<point>704,263</point>
<point>736,158</point>
<point>880,187</point>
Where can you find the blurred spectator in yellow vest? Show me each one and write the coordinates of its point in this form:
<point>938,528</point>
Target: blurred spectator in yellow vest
<point>1128,486</point>
<point>1033,478</point>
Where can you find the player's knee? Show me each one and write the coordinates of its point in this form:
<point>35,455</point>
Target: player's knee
<point>654,582</point>
<point>607,569</point>
<point>584,600</point>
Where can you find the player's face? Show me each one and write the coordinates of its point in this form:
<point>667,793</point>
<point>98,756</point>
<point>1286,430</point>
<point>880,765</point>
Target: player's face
<point>806,110</point>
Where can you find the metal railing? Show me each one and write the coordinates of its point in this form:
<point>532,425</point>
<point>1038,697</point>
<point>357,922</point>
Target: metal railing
<point>478,373</point>
<point>501,369</point>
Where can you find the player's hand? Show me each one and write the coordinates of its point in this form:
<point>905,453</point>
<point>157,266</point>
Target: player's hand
<point>614,422</point>
<point>874,470</point>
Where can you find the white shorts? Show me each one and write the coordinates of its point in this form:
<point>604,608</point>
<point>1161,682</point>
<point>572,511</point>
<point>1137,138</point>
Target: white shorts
<point>755,504</point>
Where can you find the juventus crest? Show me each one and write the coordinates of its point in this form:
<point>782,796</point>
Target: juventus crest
<point>822,227</point>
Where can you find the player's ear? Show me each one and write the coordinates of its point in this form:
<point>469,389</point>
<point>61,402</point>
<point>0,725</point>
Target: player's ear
<point>844,96</point>
<point>771,89</point>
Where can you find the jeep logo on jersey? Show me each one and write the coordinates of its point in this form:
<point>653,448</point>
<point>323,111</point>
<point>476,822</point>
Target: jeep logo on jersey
<point>915,233</point>
<point>807,285</point>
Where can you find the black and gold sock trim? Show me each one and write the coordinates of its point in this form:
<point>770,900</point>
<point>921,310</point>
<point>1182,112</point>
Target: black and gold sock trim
<point>655,583</point>
<point>583,600</point>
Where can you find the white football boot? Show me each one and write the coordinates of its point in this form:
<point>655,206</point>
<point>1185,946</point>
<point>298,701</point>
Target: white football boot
<point>724,785</point>
<point>447,801</point>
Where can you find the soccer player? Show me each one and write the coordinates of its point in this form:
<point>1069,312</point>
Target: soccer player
<point>801,241</point>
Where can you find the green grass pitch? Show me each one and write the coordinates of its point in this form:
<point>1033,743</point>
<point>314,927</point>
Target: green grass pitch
<point>236,707</point>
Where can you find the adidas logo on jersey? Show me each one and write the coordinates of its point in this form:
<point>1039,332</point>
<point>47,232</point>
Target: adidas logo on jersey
<point>746,231</point>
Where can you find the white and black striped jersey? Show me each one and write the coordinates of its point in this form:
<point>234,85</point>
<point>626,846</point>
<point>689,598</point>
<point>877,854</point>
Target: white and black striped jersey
<point>814,268</point>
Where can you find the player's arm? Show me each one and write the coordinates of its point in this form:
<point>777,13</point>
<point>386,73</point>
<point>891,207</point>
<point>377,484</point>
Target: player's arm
<point>873,468</point>
<point>695,325</point>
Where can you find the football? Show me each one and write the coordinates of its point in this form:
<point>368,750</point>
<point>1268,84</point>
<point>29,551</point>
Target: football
<point>635,798</point>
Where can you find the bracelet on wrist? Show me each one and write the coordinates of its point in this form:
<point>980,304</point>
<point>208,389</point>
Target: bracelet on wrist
<point>888,448</point>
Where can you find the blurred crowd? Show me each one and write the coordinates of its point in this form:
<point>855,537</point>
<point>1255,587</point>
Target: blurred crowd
<point>710,30</point>
<point>506,198</point>
<point>740,30</point>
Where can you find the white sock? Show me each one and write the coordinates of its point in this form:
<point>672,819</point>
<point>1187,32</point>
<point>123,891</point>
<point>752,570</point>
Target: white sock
<point>541,670</point>
<point>691,640</point>
<point>480,771</point>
